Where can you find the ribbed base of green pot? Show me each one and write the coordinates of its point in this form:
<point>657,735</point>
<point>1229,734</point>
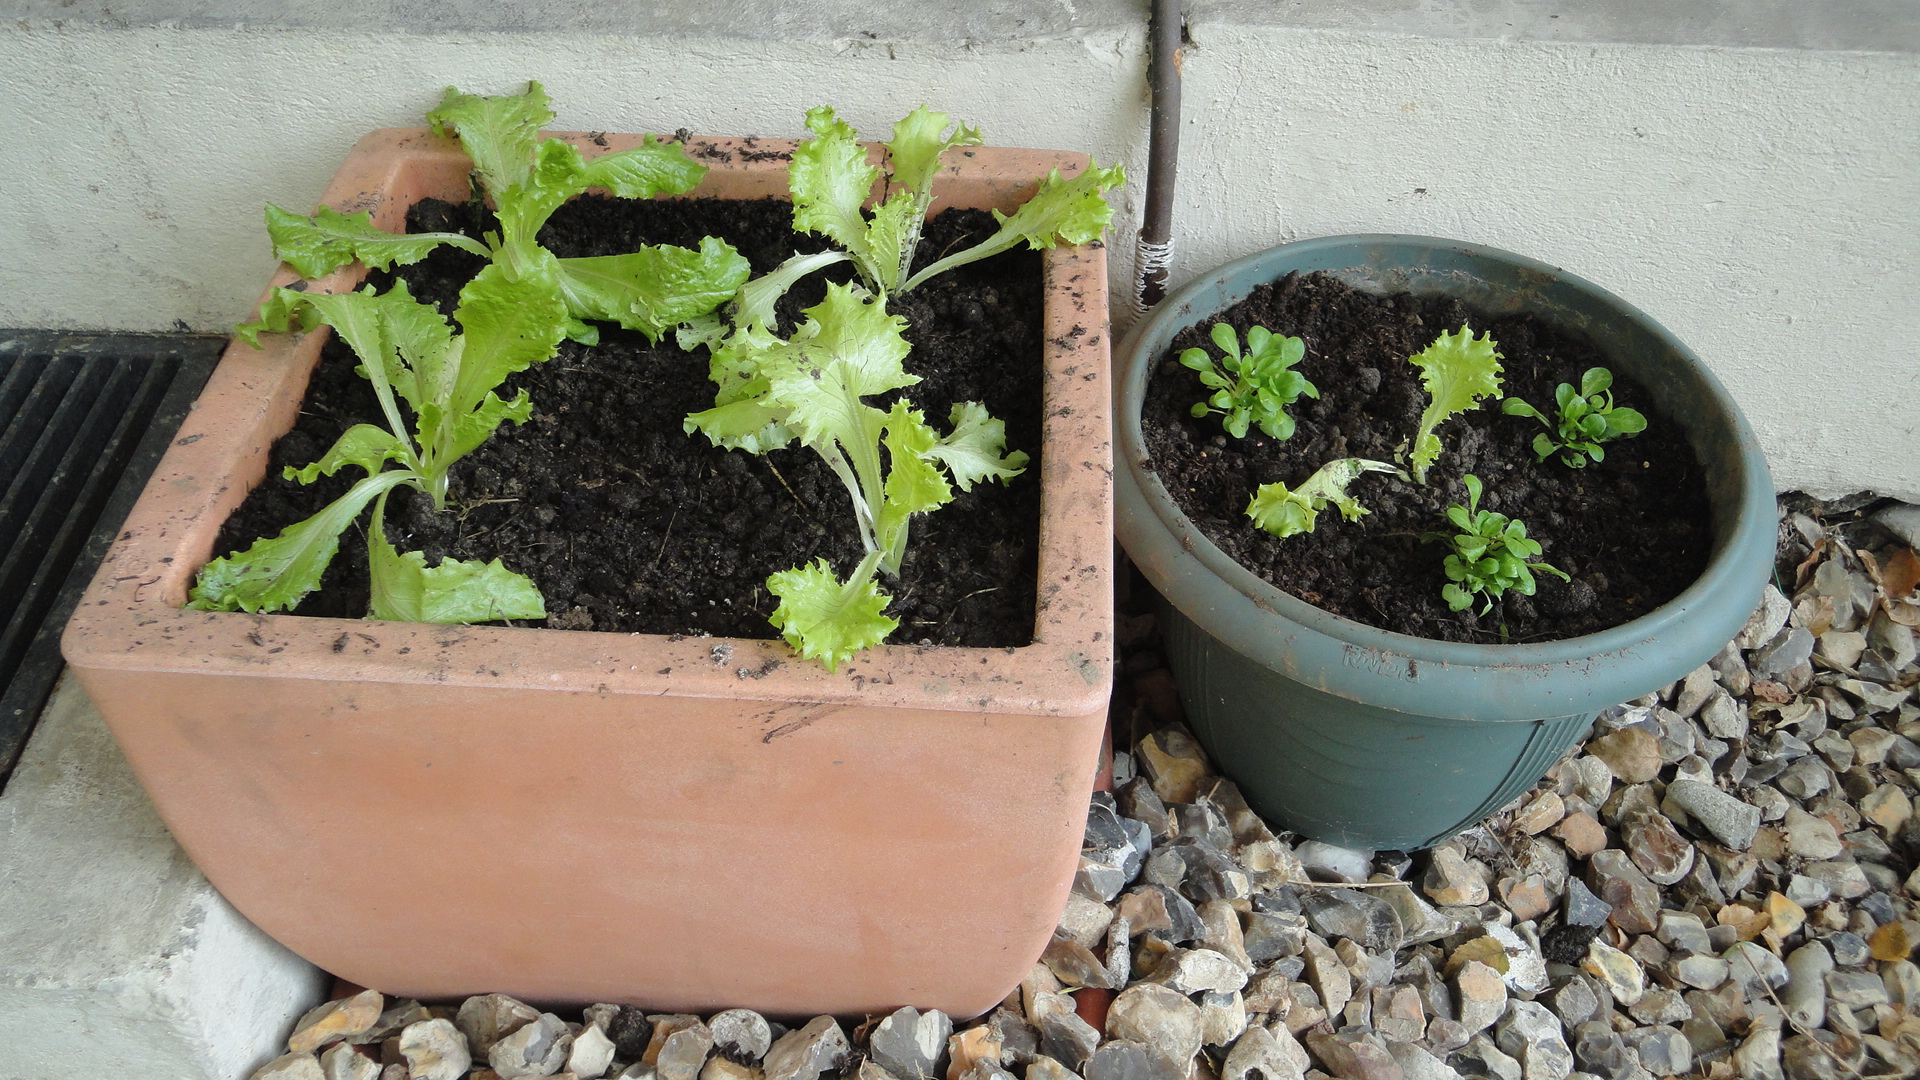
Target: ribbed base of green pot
<point>1348,773</point>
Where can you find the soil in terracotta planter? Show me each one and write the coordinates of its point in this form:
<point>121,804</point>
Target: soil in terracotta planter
<point>625,522</point>
<point>1632,530</point>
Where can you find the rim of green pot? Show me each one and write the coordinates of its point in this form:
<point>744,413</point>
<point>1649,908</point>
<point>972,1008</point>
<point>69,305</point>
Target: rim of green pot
<point>1421,675</point>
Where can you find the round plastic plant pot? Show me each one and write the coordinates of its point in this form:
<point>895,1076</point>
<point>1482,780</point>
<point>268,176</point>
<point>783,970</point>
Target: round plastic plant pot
<point>1367,738</point>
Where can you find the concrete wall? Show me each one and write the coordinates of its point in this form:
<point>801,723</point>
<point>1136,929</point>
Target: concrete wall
<point>1746,172</point>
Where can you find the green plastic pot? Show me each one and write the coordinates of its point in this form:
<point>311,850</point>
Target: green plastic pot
<point>1362,737</point>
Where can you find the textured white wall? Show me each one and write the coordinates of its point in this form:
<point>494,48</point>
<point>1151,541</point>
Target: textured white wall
<point>1763,203</point>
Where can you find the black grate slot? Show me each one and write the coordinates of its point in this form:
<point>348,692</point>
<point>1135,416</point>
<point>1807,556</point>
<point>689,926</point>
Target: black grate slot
<point>86,417</point>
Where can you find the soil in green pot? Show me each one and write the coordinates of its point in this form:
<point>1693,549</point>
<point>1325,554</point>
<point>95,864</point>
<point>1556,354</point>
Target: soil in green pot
<point>1633,530</point>
<point>627,523</point>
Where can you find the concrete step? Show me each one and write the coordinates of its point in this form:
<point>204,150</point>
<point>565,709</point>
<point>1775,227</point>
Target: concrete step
<point>117,957</point>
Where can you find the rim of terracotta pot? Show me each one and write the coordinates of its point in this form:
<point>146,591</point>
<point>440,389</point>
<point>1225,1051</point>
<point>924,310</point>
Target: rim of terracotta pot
<point>131,617</point>
<point>1342,656</point>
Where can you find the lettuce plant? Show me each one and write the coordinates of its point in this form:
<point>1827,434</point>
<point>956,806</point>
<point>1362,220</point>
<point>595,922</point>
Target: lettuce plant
<point>1285,512</point>
<point>812,388</point>
<point>1489,554</point>
<point>650,290</point>
<point>1257,385</point>
<point>831,181</point>
<point>1457,371</point>
<point>448,381</point>
<point>1585,418</point>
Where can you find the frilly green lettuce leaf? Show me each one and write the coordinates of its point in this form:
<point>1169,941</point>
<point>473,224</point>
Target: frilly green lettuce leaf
<point>1457,371</point>
<point>743,417</point>
<point>830,181</point>
<point>406,589</point>
<point>1062,211</point>
<point>824,620</point>
<point>656,288</point>
<point>498,133</point>
<point>283,310</point>
<point>975,449</point>
<point>652,168</point>
<point>470,429</point>
<point>753,305</point>
<point>318,245</point>
<point>1285,512</point>
<point>274,575</point>
<point>914,152</point>
<point>1065,211</point>
<point>914,484</point>
<point>506,326</point>
<point>848,348</point>
<point>364,445</point>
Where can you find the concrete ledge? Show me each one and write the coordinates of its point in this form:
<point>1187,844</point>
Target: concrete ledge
<point>1839,25</point>
<point>117,958</point>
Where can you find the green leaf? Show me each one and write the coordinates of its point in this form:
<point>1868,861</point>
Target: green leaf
<point>851,348</point>
<point>283,310</point>
<point>1284,513</point>
<point>364,445</point>
<point>406,589</point>
<point>825,620</point>
<point>744,416</point>
<point>1457,371</point>
<point>1514,406</point>
<point>652,168</point>
<point>318,245</point>
<point>1065,211</point>
<point>403,345</point>
<point>830,181</point>
<point>754,304</point>
<point>892,233</point>
<point>470,429</point>
<point>559,173</point>
<point>506,326</point>
<point>1224,339</point>
<point>914,484</point>
<point>499,133</point>
<point>656,288</point>
<point>1281,511</point>
<point>975,448</point>
<point>274,575</point>
<point>1062,211</point>
<point>1264,383</point>
<point>914,153</point>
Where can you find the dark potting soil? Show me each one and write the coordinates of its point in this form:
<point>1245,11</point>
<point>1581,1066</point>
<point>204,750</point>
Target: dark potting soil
<point>625,522</point>
<point>1632,530</point>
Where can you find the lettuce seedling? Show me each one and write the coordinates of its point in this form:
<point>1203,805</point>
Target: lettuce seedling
<point>1587,417</point>
<point>1257,386</point>
<point>811,388</point>
<point>831,180</point>
<point>1457,371</point>
<point>650,290</point>
<point>448,380</point>
<point>1489,554</point>
<point>1285,512</point>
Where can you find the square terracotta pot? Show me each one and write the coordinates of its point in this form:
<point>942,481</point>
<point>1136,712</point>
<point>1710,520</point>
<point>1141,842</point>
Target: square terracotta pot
<point>573,816</point>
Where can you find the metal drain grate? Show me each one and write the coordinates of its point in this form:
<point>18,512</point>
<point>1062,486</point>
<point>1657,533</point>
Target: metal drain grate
<point>83,420</point>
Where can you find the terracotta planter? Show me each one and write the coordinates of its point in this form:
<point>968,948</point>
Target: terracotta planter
<point>572,816</point>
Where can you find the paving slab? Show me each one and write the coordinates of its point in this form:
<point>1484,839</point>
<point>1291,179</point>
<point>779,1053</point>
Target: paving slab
<point>117,958</point>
